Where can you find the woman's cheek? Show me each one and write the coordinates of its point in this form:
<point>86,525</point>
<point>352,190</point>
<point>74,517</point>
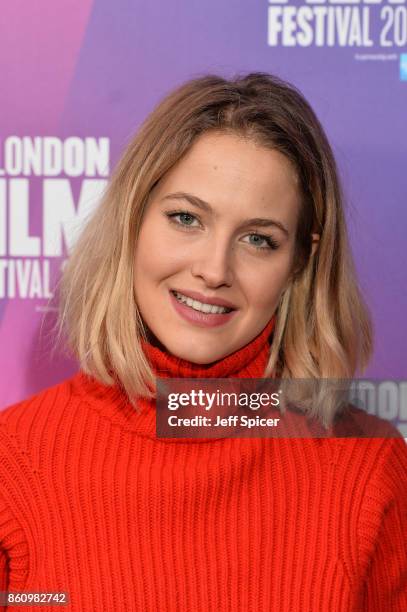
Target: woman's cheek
<point>267,288</point>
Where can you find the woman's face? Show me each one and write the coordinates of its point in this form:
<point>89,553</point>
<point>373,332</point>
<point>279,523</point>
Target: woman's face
<point>221,224</point>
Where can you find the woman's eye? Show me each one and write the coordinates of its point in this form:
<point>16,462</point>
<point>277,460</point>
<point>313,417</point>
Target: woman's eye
<point>263,242</point>
<point>185,218</point>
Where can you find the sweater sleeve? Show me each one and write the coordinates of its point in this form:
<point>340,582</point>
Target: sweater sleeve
<point>383,531</point>
<point>3,575</point>
<point>4,531</point>
<point>13,507</point>
<point>4,559</point>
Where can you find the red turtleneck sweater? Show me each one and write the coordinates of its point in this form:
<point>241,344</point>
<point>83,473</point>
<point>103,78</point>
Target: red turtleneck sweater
<point>92,503</point>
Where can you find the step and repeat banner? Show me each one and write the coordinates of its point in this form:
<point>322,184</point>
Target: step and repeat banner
<point>79,76</point>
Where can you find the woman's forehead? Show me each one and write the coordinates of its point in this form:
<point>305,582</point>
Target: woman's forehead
<point>225,170</point>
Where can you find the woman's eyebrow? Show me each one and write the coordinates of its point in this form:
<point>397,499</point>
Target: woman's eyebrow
<point>195,201</point>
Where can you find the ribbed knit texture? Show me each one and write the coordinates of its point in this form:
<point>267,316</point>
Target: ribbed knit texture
<point>92,503</point>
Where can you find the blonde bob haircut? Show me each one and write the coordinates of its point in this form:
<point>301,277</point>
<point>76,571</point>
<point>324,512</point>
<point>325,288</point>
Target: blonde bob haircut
<point>323,328</point>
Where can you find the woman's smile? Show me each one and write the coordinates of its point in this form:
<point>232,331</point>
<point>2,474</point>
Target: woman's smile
<point>198,313</point>
<point>203,300</point>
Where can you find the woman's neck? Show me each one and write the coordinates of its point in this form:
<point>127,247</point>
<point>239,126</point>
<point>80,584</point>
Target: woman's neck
<point>112,403</point>
<point>251,357</point>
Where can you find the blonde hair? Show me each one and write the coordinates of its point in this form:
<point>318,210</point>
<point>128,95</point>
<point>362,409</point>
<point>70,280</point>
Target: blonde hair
<point>323,328</point>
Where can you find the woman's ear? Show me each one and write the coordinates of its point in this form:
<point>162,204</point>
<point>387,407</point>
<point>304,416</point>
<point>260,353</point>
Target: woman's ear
<point>299,268</point>
<point>315,243</point>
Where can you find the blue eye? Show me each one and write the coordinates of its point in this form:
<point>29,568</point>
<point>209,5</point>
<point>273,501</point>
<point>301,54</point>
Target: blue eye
<point>271,244</point>
<point>186,216</point>
<point>184,219</point>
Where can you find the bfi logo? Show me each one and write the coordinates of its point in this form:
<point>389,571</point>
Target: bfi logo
<point>337,2</point>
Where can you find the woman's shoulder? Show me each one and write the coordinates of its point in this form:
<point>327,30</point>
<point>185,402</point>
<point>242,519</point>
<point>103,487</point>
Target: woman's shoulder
<point>35,436</point>
<point>38,409</point>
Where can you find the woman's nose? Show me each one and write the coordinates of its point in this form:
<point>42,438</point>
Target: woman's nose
<point>214,264</point>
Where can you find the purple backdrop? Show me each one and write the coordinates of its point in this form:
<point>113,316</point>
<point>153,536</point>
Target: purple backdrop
<point>83,69</point>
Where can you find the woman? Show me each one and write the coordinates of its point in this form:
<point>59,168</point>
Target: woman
<point>219,250</point>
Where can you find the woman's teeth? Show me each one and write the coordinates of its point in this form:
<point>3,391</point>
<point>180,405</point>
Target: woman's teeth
<point>207,308</point>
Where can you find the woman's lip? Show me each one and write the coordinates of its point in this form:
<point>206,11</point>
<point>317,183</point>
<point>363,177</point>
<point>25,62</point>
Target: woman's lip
<point>201,319</point>
<point>214,301</point>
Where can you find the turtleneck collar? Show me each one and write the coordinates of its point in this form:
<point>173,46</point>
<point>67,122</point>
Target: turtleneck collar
<point>112,403</point>
<point>245,362</point>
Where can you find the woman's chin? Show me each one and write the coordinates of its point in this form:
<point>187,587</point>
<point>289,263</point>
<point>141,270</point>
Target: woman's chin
<point>188,350</point>
<point>199,355</point>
